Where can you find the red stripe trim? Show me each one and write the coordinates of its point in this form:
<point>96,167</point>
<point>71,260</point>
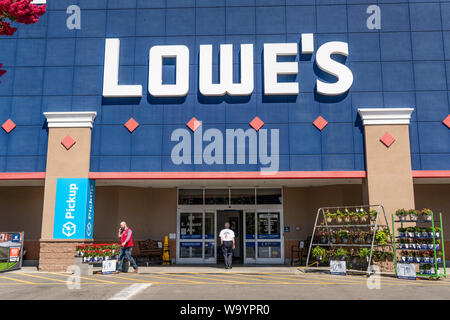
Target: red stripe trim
<point>431,173</point>
<point>227,175</point>
<point>22,175</point>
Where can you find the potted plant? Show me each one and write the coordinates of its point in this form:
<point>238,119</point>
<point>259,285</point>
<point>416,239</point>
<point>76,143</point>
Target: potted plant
<point>381,237</point>
<point>355,217</point>
<point>410,257</point>
<point>438,256</point>
<point>422,269</point>
<point>401,214</point>
<point>363,217</point>
<point>426,214</point>
<point>437,232</point>
<point>333,236</point>
<point>401,232</point>
<point>413,214</point>
<point>340,254</point>
<point>410,232</point>
<point>319,253</point>
<point>329,216</point>
<point>417,257</point>
<point>404,256</point>
<point>343,235</point>
<point>339,216</point>
<point>438,242</point>
<point>373,214</point>
<point>364,254</point>
<point>323,236</point>
<point>347,216</point>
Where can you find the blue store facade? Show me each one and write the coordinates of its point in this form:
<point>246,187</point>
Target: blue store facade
<point>175,144</point>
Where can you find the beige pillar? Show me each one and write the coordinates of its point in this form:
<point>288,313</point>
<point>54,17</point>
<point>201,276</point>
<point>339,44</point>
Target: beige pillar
<point>68,156</point>
<point>388,158</point>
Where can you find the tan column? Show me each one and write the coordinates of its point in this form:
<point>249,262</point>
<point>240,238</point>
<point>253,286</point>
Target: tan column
<point>68,156</point>
<point>388,158</point>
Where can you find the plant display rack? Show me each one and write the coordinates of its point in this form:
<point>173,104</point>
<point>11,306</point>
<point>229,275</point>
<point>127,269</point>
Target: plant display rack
<point>369,227</point>
<point>417,239</point>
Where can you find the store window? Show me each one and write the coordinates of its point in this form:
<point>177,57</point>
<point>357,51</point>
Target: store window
<point>217,196</point>
<point>268,196</point>
<point>190,196</point>
<point>242,196</point>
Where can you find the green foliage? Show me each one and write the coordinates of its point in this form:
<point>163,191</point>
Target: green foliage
<point>319,252</point>
<point>401,212</point>
<point>340,252</point>
<point>364,252</point>
<point>381,237</point>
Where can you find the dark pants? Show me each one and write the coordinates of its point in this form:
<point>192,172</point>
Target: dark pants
<point>227,250</point>
<point>126,252</point>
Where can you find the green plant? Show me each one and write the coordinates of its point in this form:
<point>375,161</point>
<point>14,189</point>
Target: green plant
<point>340,253</point>
<point>381,237</point>
<point>343,233</point>
<point>426,212</point>
<point>401,212</point>
<point>364,253</point>
<point>319,252</point>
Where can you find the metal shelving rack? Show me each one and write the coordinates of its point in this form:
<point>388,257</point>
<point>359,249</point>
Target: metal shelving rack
<point>373,226</point>
<point>436,274</point>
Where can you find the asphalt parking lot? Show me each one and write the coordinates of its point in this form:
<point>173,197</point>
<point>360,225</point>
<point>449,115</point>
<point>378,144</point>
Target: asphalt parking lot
<point>198,286</point>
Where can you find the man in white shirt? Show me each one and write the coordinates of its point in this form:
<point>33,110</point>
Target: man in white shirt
<point>227,242</point>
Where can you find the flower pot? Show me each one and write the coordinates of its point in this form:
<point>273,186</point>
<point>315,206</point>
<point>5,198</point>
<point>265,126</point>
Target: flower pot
<point>430,234</point>
<point>413,246</point>
<point>427,218</point>
<point>107,258</point>
<point>425,235</point>
<point>344,240</point>
<point>437,234</point>
<point>410,259</point>
<point>410,234</point>
<point>437,246</point>
<point>431,260</point>
<point>323,240</point>
<point>413,217</point>
<point>401,234</point>
<point>417,234</point>
<point>329,219</point>
<point>333,239</point>
<point>402,218</point>
<point>430,246</point>
<point>406,245</point>
<point>339,219</point>
<point>404,258</point>
<point>363,219</point>
<point>417,259</point>
<point>438,260</point>
<point>347,219</point>
<point>429,271</point>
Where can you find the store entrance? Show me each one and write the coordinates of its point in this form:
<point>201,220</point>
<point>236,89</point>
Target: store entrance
<point>235,218</point>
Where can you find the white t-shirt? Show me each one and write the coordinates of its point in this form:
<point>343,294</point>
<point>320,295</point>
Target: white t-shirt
<point>226,235</point>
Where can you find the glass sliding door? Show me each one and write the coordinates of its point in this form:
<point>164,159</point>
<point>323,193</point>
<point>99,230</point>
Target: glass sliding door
<point>196,237</point>
<point>250,237</point>
<point>270,244</point>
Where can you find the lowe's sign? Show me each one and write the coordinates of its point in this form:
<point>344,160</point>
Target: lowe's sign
<point>273,68</point>
<point>74,209</point>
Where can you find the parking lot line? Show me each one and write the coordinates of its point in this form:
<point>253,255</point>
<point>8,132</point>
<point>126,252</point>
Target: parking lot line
<point>18,280</point>
<point>168,278</point>
<point>244,276</point>
<point>41,277</point>
<point>71,275</point>
<point>296,279</point>
<point>209,278</point>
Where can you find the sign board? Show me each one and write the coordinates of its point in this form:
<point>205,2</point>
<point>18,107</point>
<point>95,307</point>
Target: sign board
<point>109,266</point>
<point>11,250</point>
<point>74,208</point>
<point>338,267</point>
<point>406,271</point>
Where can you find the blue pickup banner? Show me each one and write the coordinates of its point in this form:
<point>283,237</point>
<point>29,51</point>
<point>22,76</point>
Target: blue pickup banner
<point>74,208</point>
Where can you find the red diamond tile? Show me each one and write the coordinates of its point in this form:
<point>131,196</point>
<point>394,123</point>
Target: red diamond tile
<point>256,123</point>
<point>8,126</point>
<point>447,121</point>
<point>131,125</point>
<point>320,123</point>
<point>387,139</point>
<point>68,142</point>
<point>193,124</point>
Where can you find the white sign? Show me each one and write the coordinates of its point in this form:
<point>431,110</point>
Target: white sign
<point>226,86</point>
<point>109,266</point>
<point>406,271</point>
<point>338,267</point>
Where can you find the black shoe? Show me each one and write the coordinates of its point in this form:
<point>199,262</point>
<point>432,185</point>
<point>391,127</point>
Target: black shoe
<point>230,267</point>
<point>226,267</point>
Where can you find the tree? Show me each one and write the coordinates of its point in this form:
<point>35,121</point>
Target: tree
<point>19,11</point>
